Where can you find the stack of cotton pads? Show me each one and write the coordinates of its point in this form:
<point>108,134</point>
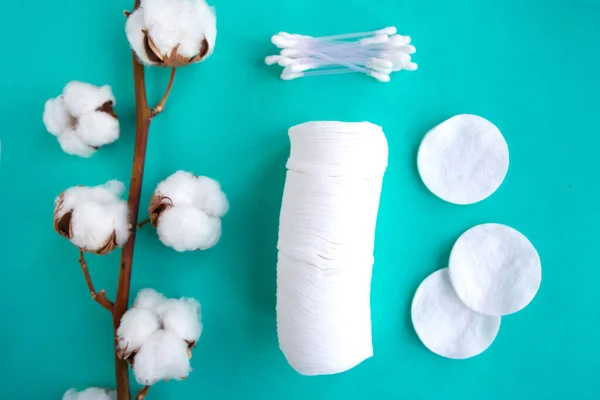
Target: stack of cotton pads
<point>326,241</point>
<point>376,54</point>
<point>493,269</point>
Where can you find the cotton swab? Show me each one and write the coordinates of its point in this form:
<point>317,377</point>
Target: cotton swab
<point>376,53</point>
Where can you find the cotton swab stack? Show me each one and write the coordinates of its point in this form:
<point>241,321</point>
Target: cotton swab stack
<point>326,241</point>
<point>377,54</point>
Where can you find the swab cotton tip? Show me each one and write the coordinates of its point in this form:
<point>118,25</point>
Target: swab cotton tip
<point>186,210</point>
<point>495,269</point>
<point>464,159</point>
<point>374,40</point>
<point>94,393</point>
<point>411,66</point>
<point>326,238</point>
<point>95,219</point>
<point>172,33</point>
<point>270,60</point>
<point>390,30</point>
<point>82,118</point>
<point>445,325</point>
<point>380,76</point>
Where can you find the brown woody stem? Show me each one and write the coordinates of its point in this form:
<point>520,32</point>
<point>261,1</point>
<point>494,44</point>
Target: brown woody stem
<point>143,118</point>
<point>161,104</point>
<point>100,297</point>
<point>144,222</point>
<point>142,393</point>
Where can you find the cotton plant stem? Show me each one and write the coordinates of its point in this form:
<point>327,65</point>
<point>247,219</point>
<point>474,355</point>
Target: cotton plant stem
<point>142,223</point>
<point>99,297</point>
<point>161,104</point>
<point>142,393</point>
<point>143,118</point>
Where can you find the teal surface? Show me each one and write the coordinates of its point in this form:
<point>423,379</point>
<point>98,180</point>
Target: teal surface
<point>530,66</point>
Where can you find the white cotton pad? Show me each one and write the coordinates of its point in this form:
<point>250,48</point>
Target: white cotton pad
<point>445,325</point>
<point>463,160</point>
<point>494,269</point>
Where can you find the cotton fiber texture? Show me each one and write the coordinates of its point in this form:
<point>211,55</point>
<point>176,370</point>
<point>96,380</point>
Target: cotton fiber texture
<point>90,394</point>
<point>445,325</point>
<point>95,219</point>
<point>82,118</point>
<point>463,160</point>
<point>157,334</point>
<point>495,270</point>
<point>326,241</point>
<point>172,33</point>
<point>186,210</point>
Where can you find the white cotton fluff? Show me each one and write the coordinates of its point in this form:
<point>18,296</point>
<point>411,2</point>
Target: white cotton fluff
<point>182,316</point>
<point>149,299</point>
<point>94,393</point>
<point>163,356</point>
<point>194,221</point>
<point>97,213</point>
<point>172,23</point>
<point>76,120</point>
<point>137,325</point>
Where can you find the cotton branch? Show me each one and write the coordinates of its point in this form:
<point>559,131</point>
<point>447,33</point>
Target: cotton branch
<point>100,297</point>
<point>161,104</point>
<point>142,393</point>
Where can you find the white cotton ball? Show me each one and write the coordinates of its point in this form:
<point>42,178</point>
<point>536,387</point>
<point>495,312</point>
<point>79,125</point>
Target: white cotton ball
<point>149,299</point>
<point>182,316</point>
<point>136,326</point>
<point>186,228</point>
<point>97,212</point>
<point>82,98</point>
<point>97,128</point>
<point>94,393</point>
<point>172,23</point>
<point>180,188</point>
<point>56,117</point>
<point>71,144</point>
<point>163,356</point>
<point>210,197</point>
<point>133,29</point>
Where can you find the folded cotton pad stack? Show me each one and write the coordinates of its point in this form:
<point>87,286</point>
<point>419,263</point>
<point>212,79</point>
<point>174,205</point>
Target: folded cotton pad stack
<point>493,271</point>
<point>326,241</point>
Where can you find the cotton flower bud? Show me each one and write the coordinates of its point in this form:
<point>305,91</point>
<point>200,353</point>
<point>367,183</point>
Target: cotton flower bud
<point>94,393</point>
<point>82,118</point>
<point>94,219</point>
<point>172,33</point>
<point>164,356</point>
<point>186,211</point>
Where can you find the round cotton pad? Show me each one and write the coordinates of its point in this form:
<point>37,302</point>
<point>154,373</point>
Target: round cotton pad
<point>463,160</point>
<point>445,325</point>
<point>494,269</point>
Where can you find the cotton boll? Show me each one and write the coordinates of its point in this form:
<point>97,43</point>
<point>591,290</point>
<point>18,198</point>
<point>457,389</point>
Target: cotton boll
<point>71,144</point>
<point>180,188</point>
<point>186,228</point>
<point>163,356</point>
<point>172,32</point>
<point>210,198</point>
<point>149,299</point>
<point>95,219</point>
<point>137,325</point>
<point>56,117</point>
<point>91,394</point>
<point>182,316</point>
<point>134,31</point>
<point>98,128</point>
<point>82,98</point>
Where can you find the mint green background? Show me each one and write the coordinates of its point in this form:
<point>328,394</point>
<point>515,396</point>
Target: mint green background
<point>530,66</point>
